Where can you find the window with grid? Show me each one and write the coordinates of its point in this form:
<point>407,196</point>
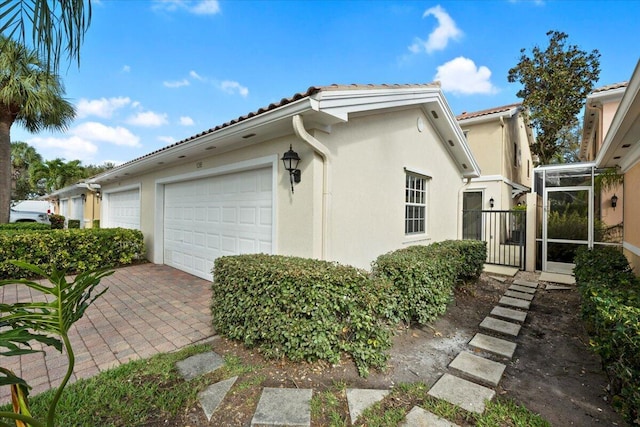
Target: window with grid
<point>415,204</point>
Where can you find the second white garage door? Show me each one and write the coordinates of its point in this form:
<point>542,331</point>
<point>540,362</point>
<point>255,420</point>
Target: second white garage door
<point>123,209</point>
<point>211,217</point>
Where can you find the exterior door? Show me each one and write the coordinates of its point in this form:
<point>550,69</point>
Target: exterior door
<point>472,215</point>
<point>568,213</point>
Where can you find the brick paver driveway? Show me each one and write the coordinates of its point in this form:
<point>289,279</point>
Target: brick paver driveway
<point>148,309</point>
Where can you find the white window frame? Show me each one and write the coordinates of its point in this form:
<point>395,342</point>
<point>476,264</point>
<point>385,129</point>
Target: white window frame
<point>416,198</point>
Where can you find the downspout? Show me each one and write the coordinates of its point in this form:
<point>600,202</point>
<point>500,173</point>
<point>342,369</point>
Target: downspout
<point>503,167</point>
<point>323,151</point>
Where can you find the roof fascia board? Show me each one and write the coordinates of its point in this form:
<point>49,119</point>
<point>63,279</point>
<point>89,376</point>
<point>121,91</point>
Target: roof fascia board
<point>489,117</point>
<point>622,120</point>
<point>606,96</point>
<point>70,189</point>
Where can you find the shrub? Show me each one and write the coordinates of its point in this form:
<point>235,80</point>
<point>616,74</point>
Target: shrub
<point>611,308</point>
<point>73,223</point>
<point>25,226</point>
<point>57,221</point>
<point>72,250</point>
<point>301,308</point>
<point>96,223</point>
<point>424,276</point>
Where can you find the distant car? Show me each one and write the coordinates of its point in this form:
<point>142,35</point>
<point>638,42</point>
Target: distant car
<point>33,206</point>
<point>28,216</point>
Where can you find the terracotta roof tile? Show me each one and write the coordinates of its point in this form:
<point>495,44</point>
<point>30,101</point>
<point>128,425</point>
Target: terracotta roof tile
<point>487,112</point>
<point>610,87</point>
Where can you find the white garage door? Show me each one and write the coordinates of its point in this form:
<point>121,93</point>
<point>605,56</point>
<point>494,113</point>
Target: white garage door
<point>211,217</point>
<point>123,209</point>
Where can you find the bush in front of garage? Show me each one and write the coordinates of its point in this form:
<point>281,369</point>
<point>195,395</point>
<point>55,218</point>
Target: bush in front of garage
<point>73,223</point>
<point>424,276</point>
<point>611,309</point>
<point>57,221</point>
<point>301,308</point>
<point>71,250</point>
<point>25,226</point>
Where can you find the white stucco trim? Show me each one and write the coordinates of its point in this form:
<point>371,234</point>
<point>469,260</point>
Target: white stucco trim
<point>417,171</point>
<point>260,162</point>
<point>631,248</point>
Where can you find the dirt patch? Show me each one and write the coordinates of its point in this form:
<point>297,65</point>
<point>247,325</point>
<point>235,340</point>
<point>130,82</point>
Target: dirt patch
<point>552,373</point>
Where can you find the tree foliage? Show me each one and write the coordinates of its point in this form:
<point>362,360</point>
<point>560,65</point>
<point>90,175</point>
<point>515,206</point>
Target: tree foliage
<point>56,26</point>
<point>23,158</point>
<point>31,96</point>
<point>556,82</point>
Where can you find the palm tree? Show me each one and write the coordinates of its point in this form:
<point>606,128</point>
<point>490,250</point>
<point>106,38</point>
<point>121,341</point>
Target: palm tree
<point>55,174</point>
<point>56,26</point>
<point>31,96</point>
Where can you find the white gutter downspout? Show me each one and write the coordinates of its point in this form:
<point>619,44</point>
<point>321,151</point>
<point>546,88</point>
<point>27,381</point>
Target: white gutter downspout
<point>323,151</point>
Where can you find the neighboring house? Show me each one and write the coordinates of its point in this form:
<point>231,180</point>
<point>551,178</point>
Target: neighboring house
<point>380,168</point>
<point>79,201</point>
<point>621,149</point>
<point>600,108</point>
<point>499,139</point>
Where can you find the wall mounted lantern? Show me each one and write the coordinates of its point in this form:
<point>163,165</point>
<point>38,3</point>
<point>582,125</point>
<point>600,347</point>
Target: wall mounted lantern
<point>98,196</point>
<point>491,203</point>
<point>83,197</point>
<point>614,201</point>
<point>291,160</point>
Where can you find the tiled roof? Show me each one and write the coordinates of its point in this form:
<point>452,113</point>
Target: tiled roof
<point>611,87</point>
<point>284,101</point>
<point>487,112</point>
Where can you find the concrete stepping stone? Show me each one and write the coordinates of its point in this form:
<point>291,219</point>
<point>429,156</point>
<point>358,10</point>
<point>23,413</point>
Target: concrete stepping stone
<point>551,287</point>
<point>524,289</point>
<point>211,397</point>
<point>509,313</point>
<point>465,394</point>
<point>478,368</point>
<point>499,279</point>
<point>360,399</point>
<point>283,407</point>
<point>500,326</point>
<point>199,364</point>
<point>515,302</point>
<point>519,295</point>
<point>493,345</point>
<point>521,282</point>
<point>418,417</point>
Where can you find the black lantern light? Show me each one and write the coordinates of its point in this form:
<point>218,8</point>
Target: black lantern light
<point>291,160</point>
<point>98,196</point>
<point>83,197</point>
<point>614,201</point>
<point>491,203</point>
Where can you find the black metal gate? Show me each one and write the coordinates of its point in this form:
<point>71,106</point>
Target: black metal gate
<point>504,232</point>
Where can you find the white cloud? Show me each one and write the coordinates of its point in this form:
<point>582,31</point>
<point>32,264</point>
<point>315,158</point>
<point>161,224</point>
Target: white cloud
<point>167,139</point>
<point>72,147</point>
<point>440,36</point>
<point>186,121</point>
<point>199,7</point>
<point>232,87</point>
<point>94,131</point>
<point>196,76</point>
<point>102,107</point>
<point>461,76</point>
<point>148,119</point>
<point>176,84</point>
<point>126,68</point>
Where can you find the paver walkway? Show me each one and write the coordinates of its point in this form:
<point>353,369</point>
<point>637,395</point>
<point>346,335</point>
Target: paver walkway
<point>148,309</point>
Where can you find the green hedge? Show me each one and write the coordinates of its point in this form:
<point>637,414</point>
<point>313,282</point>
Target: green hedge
<point>301,308</point>
<point>424,276</point>
<point>57,221</point>
<point>71,250</point>
<point>73,223</point>
<point>611,308</point>
<point>25,226</point>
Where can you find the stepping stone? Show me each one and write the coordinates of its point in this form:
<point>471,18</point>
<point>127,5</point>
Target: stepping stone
<point>520,288</point>
<point>515,302</point>
<point>493,345</point>
<point>360,399</point>
<point>519,295</point>
<point>283,407</point>
<point>418,417</point>
<point>521,282</point>
<point>565,279</point>
<point>500,326</point>
<point>467,395</point>
<point>550,287</point>
<point>499,279</point>
<point>508,313</point>
<point>500,269</point>
<point>211,397</point>
<point>478,368</point>
<point>199,364</point>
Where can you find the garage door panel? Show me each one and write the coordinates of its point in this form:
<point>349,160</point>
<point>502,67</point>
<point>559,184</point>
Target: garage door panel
<point>124,209</point>
<point>211,217</point>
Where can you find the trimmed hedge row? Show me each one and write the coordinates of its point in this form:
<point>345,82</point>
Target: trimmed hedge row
<point>307,309</point>
<point>301,308</point>
<point>424,276</point>
<point>70,250</point>
<point>611,308</point>
<point>25,226</point>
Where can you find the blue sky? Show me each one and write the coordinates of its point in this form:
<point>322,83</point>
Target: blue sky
<point>155,72</point>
